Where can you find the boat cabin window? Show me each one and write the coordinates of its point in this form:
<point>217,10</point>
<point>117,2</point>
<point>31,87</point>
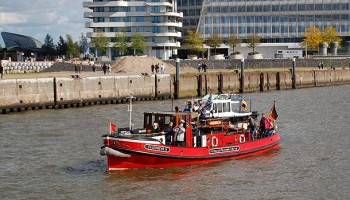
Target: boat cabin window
<point>219,107</point>
<point>214,108</point>
<point>234,108</point>
<point>149,120</point>
<point>225,107</point>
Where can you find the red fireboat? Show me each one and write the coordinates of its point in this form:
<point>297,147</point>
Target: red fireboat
<point>204,141</point>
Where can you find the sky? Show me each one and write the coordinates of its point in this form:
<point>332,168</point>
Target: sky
<point>36,18</point>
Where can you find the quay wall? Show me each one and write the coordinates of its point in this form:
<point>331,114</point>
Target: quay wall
<point>58,92</point>
<point>265,63</point>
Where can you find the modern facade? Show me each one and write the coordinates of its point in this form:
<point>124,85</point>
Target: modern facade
<point>157,20</point>
<point>21,45</point>
<point>274,21</point>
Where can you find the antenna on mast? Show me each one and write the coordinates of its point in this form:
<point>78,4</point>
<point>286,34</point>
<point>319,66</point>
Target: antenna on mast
<point>130,109</point>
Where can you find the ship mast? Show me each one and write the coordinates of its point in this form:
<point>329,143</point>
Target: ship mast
<point>130,109</point>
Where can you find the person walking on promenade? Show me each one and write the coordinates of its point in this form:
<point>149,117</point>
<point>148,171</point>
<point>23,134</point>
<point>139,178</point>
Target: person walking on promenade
<point>162,68</point>
<point>1,70</point>
<point>80,68</point>
<point>152,68</point>
<point>199,66</point>
<point>109,69</point>
<point>319,65</point>
<point>205,67</point>
<point>104,69</point>
<point>322,65</point>
<point>94,68</point>
<point>76,68</point>
<point>157,68</point>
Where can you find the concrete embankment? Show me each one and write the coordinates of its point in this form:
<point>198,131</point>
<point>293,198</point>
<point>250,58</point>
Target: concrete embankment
<point>198,85</point>
<point>38,93</point>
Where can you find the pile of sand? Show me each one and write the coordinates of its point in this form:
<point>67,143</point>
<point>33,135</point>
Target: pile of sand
<point>137,65</point>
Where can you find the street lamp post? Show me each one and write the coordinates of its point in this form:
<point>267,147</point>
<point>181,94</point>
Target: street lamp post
<point>242,75</point>
<point>293,73</point>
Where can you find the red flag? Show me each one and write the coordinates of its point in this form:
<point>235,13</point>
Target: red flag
<point>113,128</point>
<point>273,113</point>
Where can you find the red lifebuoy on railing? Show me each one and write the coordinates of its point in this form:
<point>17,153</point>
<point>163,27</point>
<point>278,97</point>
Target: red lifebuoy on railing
<point>216,141</point>
<point>241,138</point>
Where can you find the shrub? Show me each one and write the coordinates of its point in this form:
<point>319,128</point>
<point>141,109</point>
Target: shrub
<point>253,53</point>
<point>235,53</point>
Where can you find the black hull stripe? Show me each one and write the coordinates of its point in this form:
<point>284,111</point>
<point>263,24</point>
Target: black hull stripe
<point>198,157</point>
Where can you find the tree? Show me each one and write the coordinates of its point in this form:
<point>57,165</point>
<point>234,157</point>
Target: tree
<point>120,41</point>
<point>101,42</point>
<point>49,46</point>
<point>83,44</point>
<point>253,41</point>
<point>234,42</point>
<point>330,35</point>
<point>138,42</point>
<point>194,42</point>
<point>61,47</point>
<point>313,37</point>
<point>214,41</point>
<point>73,49</point>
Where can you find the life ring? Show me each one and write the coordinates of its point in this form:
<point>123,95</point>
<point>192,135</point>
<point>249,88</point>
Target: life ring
<point>216,141</point>
<point>240,138</point>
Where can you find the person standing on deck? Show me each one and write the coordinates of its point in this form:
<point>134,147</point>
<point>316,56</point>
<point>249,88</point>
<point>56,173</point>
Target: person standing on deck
<point>265,125</point>
<point>168,131</point>
<point>180,135</point>
<point>252,126</point>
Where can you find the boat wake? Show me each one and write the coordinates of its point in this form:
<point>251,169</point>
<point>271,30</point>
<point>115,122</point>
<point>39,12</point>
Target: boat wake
<point>87,167</point>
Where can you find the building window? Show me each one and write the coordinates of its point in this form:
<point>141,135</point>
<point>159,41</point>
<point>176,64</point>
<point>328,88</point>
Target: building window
<point>233,9</point>
<point>100,9</point>
<point>241,8</point>
<point>267,8</point>
<point>310,7</point>
<point>114,19</point>
<point>250,8</point>
<point>113,9</point>
<point>292,7</point>
<point>126,19</point>
<point>156,29</point>
<point>100,19</point>
<point>284,7</point>
<point>301,7</point>
<point>258,8</point>
<point>267,29</point>
<point>345,6</point>
<point>157,9</point>
<point>126,9</point>
<point>140,19</point>
<point>318,7</point>
<point>345,17</point>
<point>327,6</point>
<point>250,19</point>
<point>156,19</point>
<point>336,6</point>
<point>275,8</point>
<point>140,8</point>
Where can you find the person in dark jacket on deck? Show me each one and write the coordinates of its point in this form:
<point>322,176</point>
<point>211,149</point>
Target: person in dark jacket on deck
<point>251,126</point>
<point>168,131</point>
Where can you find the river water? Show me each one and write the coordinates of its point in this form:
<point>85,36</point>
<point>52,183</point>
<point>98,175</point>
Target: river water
<point>54,154</point>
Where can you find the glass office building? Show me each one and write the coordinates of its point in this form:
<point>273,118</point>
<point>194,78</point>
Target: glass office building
<point>274,21</point>
<point>157,20</point>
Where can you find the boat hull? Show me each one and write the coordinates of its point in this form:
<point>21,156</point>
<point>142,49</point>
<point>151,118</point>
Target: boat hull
<point>147,154</point>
